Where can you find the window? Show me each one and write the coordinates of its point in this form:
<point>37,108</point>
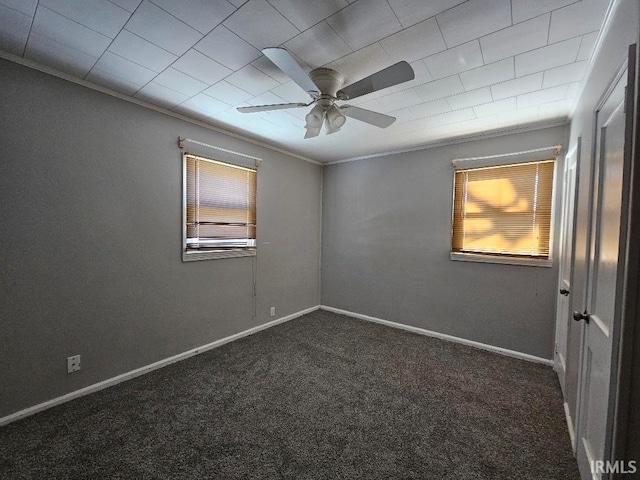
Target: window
<point>503,213</point>
<point>219,209</point>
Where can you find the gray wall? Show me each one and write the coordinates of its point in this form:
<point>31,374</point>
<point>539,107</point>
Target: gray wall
<point>90,190</point>
<point>614,49</point>
<point>386,243</point>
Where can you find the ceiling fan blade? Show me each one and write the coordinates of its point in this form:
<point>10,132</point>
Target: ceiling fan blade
<point>390,76</point>
<point>285,62</point>
<point>367,116</point>
<point>275,106</point>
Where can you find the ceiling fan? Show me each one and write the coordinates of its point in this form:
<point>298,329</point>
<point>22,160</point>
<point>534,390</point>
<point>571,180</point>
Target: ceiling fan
<point>324,85</point>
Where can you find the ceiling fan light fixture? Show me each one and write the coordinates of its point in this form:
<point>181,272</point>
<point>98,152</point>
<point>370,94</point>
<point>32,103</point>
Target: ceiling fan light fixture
<point>335,119</point>
<point>312,132</point>
<point>314,118</point>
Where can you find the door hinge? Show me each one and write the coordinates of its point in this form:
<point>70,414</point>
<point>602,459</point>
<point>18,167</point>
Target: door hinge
<point>624,105</point>
<point>556,348</point>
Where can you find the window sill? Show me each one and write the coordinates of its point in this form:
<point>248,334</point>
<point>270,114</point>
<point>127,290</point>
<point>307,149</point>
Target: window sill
<point>480,258</point>
<point>216,254</point>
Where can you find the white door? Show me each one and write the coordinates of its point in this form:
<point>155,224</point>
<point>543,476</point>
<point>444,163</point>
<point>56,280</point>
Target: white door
<point>602,288</point>
<point>563,314</point>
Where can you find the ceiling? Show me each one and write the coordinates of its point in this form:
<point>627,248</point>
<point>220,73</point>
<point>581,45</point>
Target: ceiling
<point>480,65</point>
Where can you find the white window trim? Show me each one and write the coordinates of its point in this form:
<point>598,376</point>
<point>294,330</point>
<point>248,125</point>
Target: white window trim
<point>505,159</point>
<point>486,258</point>
<point>191,256</point>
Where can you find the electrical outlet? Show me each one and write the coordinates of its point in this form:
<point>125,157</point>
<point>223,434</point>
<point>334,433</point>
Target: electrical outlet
<point>73,364</point>
<point>273,311</point>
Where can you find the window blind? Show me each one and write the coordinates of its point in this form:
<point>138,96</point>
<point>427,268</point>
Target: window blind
<point>220,205</point>
<point>504,210</point>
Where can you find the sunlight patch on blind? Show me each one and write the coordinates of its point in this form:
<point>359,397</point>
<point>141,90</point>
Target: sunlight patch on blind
<point>504,210</point>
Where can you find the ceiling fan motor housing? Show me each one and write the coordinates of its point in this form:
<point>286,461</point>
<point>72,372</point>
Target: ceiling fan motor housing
<point>328,81</point>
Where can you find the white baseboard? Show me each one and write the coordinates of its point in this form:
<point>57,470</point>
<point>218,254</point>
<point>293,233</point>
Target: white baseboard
<point>572,433</point>
<point>146,369</point>
<point>442,336</point>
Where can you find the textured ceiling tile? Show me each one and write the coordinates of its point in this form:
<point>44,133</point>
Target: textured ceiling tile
<point>141,51</point>
<point>160,95</point>
<point>440,88</point>
<point>365,22</point>
<point>517,86</point>
<point>454,117</point>
<point>203,15</point>
<point>305,14</point>
<point>523,114</point>
<point>227,48</point>
<point>362,63</point>
<point>393,101</point>
<point>493,108</point>
<point>410,12</point>
<point>252,80</point>
<point>180,82</point>
<point>474,19</point>
<point>227,93</point>
<point>154,24</point>
<point>542,96</point>
<point>201,67</point>
<point>455,60</point>
<point>573,89</point>
<point>120,67</point>
<point>555,109</point>
<point>470,126</point>
<point>261,25</point>
<point>414,43</point>
<point>66,59</point>
<point>489,74</point>
<point>318,46</point>
<point>587,45</point>
<point>517,39</point>
<point>577,19</point>
<point>203,104</point>
<point>565,74</point>
<point>526,9</point>
<point>428,109</point>
<point>547,57</point>
<point>112,82</point>
<point>27,7</point>
<point>69,33</point>
<point>291,92</point>
<point>128,5</point>
<point>99,15</point>
<point>14,30</point>
<point>403,115</point>
<point>470,99</point>
<point>266,98</point>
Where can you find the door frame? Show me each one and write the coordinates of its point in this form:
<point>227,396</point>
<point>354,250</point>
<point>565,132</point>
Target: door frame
<point>566,227</point>
<point>630,327</point>
<point>613,428</point>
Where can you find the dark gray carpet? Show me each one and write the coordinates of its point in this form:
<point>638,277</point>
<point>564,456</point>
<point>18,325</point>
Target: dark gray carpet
<point>321,397</point>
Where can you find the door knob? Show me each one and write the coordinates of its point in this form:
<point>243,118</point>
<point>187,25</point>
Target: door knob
<point>577,316</point>
<point>564,291</point>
